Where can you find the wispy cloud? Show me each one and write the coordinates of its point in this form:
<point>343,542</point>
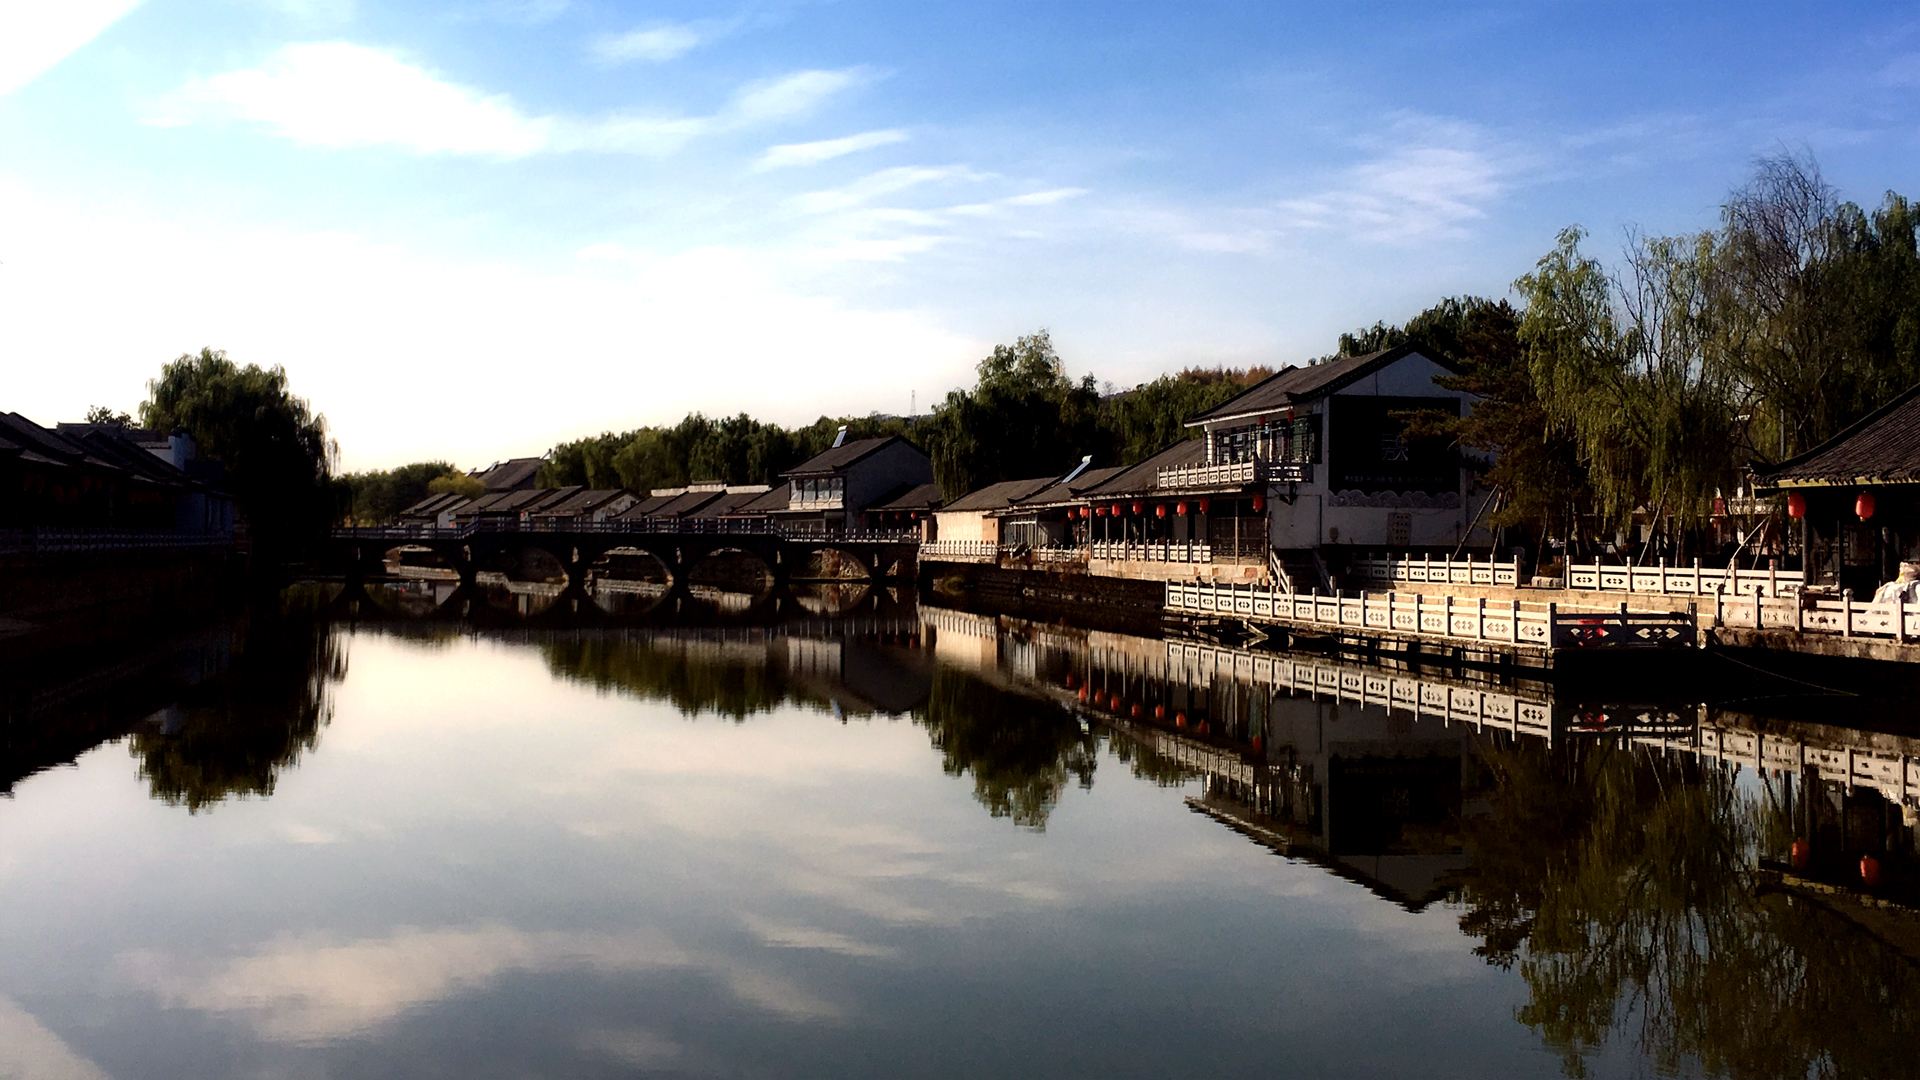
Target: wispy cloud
<point>1426,178</point>
<point>341,95</point>
<point>1048,197</point>
<point>797,94</point>
<point>35,37</point>
<point>788,155</point>
<point>655,42</point>
<point>877,184</point>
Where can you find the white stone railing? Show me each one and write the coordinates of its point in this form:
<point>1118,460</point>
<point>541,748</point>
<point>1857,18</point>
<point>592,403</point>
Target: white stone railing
<point>1231,474</point>
<point>959,551</point>
<point>1895,620</point>
<point>1188,551</point>
<point>1445,570</point>
<point>1695,580</point>
<point>1516,624</point>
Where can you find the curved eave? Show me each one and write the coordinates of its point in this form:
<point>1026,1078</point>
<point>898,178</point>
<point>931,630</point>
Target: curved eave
<point>1825,482</point>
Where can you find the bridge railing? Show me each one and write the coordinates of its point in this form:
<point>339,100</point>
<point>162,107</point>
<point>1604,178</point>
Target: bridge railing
<point>65,541</point>
<point>960,550</point>
<point>666,527</point>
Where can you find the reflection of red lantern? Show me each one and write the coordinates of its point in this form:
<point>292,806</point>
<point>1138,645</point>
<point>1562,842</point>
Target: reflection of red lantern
<point>1205,727</point>
<point>1800,854</point>
<point>1113,702</point>
<point>1160,510</point>
<point>1134,712</point>
<point>1869,871</point>
<point>1072,681</point>
<point>1138,506</point>
<point>1863,505</point>
<point>1204,503</point>
<point>1256,744</point>
<point>1259,503</point>
<point>1159,712</point>
<point>1180,508</point>
<point>1083,694</point>
<point>1796,505</point>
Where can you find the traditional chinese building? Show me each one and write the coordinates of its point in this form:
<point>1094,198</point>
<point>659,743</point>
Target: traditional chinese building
<point>1856,498</point>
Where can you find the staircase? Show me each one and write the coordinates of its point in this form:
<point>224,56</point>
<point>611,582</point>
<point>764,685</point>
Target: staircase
<point>1298,570</point>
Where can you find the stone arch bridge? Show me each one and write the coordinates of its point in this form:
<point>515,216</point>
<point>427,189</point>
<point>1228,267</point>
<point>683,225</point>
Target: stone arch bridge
<point>360,554</point>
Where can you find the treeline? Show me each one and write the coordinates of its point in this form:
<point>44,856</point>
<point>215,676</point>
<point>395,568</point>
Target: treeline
<point>1023,416</point>
<point>1659,383</point>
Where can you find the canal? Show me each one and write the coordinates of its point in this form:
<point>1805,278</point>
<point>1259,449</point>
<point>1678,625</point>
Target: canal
<point>866,838</point>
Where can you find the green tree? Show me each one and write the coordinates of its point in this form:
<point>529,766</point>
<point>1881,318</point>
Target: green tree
<point>377,496</point>
<point>1023,417</point>
<point>274,448</point>
<point>102,414</point>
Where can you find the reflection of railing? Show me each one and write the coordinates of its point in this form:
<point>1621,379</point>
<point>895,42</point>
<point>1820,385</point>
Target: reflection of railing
<point>1175,551</point>
<point>960,550</point>
<point>1529,626</point>
<point>1229,474</point>
<point>63,541</point>
<point>1445,570</point>
<point>1695,580</point>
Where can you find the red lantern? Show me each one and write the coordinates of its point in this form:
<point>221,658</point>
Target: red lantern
<point>1869,871</point>
<point>1259,503</point>
<point>1204,503</point>
<point>1083,694</point>
<point>1796,505</point>
<point>1099,511</point>
<point>1180,508</point>
<point>1159,712</point>
<point>1113,702</point>
<point>1179,719</point>
<point>1256,744</point>
<point>1072,682</point>
<point>1134,712</point>
<point>1800,854</point>
<point>1863,505</point>
<point>1160,510</point>
<point>1084,512</point>
<point>1138,506</point>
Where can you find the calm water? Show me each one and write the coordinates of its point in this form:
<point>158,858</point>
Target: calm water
<point>907,843</point>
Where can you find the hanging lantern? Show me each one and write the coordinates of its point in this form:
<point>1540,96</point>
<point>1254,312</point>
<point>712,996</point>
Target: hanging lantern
<point>1796,505</point>
<point>1863,505</point>
<point>1801,853</point>
<point>1084,512</point>
<point>1160,510</point>
<point>1869,871</point>
<point>1204,503</point>
<point>1159,712</point>
<point>1259,503</point>
<point>1179,719</point>
<point>1099,511</point>
<point>1180,508</point>
<point>1134,712</point>
<point>1138,506</point>
<point>1071,681</point>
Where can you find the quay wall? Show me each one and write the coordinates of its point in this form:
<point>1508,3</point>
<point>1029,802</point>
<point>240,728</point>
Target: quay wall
<point>1094,602</point>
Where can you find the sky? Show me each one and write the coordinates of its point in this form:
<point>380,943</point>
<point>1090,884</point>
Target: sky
<point>470,231</point>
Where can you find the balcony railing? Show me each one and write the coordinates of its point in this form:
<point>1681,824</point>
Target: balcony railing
<point>836,500</point>
<point>1178,551</point>
<point>1230,474</point>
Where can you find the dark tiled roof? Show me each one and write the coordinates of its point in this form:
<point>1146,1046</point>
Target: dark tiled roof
<point>1883,447</point>
<point>434,504</point>
<point>510,475</point>
<point>684,505</point>
<point>1067,491</point>
<point>729,502</point>
<point>916,497</point>
<point>773,500</point>
<point>585,501</point>
<point>645,507</point>
<point>839,457</point>
<point>1294,385</point>
<point>1140,479</point>
<point>998,496</point>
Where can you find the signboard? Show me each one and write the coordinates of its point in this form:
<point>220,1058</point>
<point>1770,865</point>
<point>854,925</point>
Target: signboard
<point>1370,449</point>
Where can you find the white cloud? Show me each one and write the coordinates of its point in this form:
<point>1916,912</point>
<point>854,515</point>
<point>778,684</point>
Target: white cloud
<point>35,37</point>
<point>797,94</point>
<point>1048,197</point>
<point>337,94</point>
<point>627,323</point>
<point>658,42</point>
<point>1427,179</point>
<point>341,95</point>
<point>31,1051</point>
<point>787,155</point>
<point>884,182</point>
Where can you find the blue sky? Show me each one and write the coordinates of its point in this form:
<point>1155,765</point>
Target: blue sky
<point>469,231</point>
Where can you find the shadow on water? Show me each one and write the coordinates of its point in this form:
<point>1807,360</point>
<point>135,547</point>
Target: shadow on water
<point>1730,888</point>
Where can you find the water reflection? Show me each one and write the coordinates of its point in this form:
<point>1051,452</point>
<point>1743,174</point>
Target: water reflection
<point>857,839</point>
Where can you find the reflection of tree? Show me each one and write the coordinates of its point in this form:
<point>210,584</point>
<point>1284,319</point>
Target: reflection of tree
<point>1020,750</point>
<point>695,677</point>
<point>1145,762</point>
<point>233,735</point>
<point>1625,887</point>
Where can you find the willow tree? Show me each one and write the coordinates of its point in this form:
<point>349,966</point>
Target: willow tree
<point>1633,368</point>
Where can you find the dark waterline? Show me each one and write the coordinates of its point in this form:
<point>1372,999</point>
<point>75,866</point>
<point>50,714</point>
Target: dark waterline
<point>881,840</point>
